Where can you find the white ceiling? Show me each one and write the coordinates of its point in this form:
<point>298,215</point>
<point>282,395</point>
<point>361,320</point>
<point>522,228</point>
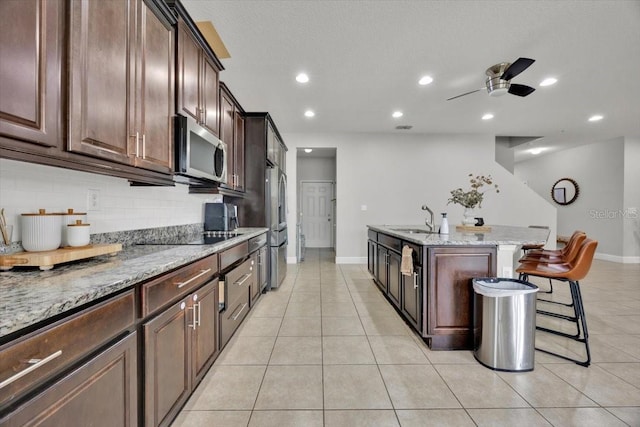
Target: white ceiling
<point>364,59</point>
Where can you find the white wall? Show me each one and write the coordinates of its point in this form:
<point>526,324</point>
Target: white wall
<point>26,187</point>
<point>631,228</point>
<point>607,174</point>
<point>316,168</point>
<point>394,175</point>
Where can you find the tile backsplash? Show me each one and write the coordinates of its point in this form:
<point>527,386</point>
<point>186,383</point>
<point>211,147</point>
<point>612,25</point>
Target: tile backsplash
<point>111,203</point>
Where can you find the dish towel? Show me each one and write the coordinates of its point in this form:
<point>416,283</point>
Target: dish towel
<point>406,266</point>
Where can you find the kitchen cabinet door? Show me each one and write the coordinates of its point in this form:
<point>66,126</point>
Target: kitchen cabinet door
<point>227,125</point>
<point>411,298</point>
<point>394,277</point>
<point>205,333</point>
<point>188,65</point>
<point>210,97</point>
<point>102,79</point>
<point>198,80</point>
<point>156,94</point>
<point>238,150</point>
<point>382,269</point>
<point>167,382</point>
<point>31,45</point>
<point>101,393</point>
<point>232,133</point>
<point>371,257</point>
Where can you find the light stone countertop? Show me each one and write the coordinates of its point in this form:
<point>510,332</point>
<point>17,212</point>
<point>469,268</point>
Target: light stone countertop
<point>499,235</point>
<point>29,296</point>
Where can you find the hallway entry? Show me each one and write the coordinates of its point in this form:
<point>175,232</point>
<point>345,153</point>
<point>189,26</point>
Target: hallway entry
<point>317,213</point>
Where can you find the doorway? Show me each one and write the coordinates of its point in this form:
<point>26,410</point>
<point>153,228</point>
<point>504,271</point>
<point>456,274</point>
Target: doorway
<point>316,188</point>
<point>317,213</point>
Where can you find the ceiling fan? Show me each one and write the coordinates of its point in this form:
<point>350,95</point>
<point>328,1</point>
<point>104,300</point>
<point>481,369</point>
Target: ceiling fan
<point>499,78</point>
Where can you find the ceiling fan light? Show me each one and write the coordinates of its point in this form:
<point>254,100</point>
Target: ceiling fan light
<point>498,91</point>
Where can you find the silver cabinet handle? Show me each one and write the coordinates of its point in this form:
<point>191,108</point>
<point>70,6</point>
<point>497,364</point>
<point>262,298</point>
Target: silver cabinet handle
<point>137,135</point>
<point>241,310</point>
<point>244,279</point>
<point>36,364</point>
<point>202,273</point>
<point>415,280</point>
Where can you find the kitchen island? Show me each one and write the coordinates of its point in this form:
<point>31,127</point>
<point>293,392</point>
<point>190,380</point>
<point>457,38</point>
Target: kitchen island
<point>437,299</point>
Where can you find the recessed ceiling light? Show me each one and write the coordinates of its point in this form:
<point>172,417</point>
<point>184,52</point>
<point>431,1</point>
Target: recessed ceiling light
<point>487,116</point>
<point>396,114</point>
<point>548,81</point>
<point>308,150</point>
<point>425,80</point>
<point>302,78</point>
<point>309,113</point>
<point>595,118</point>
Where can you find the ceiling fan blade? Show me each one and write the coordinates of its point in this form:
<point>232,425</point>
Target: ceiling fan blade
<point>473,91</point>
<point>516,68</point>
<point>520,90</point>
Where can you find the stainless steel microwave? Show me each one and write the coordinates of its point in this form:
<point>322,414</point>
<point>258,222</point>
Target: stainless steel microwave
<point>198,153</point>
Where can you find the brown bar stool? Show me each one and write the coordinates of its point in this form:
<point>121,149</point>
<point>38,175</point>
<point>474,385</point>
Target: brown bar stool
<point>570,272</point>
<point>566,254</point>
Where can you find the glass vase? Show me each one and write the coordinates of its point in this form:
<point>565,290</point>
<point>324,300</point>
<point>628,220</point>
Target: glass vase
<point>469,219</point>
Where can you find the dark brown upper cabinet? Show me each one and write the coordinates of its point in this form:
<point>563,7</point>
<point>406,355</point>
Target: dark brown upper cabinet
<point>232,134</point>
<point>197,80</point>
<point>30,71</point>
<point>121,82</point>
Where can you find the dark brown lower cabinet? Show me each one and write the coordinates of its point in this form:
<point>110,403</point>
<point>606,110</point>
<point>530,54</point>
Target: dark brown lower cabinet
<point>371,258</point>
<point>179,344</point>
<point>449,322</point>
<point>411,298</point>
<point>381,268</point>
<point>393,273</point>
<point>100,393</point>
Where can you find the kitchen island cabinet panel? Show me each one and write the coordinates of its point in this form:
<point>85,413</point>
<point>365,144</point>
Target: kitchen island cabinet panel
<point>450,293</point>
<point>101,393</point>
<point>30,101</point>
<point>411,298</point>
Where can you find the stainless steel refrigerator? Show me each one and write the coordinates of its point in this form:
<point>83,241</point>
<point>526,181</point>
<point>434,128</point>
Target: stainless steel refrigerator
<point>276,192</point>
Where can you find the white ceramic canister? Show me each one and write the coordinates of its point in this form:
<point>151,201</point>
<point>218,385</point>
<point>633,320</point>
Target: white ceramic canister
<point>41,231</point>
<point>70,217</point>
<point>78,234</point>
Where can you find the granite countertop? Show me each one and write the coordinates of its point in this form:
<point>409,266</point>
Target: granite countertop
<point>29,296</point>
<point>499,235</point>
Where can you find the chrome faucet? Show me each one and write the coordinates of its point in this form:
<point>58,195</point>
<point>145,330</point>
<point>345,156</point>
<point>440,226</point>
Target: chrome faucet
<point>428,222</point>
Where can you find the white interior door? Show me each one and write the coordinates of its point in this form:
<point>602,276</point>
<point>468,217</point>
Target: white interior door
<point>317,215</point>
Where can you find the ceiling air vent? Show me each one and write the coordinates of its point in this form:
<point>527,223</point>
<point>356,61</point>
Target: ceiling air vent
<point>404,127</point>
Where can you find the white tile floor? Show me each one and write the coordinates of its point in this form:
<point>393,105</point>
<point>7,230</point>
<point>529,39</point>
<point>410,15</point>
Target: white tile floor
<point>326,349</point>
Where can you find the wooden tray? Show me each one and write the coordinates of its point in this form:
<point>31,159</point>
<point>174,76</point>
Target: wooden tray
<point>47,259</point>
<point>473,228</point>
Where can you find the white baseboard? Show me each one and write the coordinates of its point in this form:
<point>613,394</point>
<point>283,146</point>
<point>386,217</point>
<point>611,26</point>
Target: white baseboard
<point>618,258</point>
<point>351,260</point>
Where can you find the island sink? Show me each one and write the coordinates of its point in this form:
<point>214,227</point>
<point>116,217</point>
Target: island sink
<point>414,231</point>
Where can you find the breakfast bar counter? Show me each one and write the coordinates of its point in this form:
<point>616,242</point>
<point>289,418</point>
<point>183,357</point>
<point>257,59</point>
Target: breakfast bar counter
<point>433,292</point>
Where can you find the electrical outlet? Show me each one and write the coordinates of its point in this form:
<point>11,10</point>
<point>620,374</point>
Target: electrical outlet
<point>93,200</point>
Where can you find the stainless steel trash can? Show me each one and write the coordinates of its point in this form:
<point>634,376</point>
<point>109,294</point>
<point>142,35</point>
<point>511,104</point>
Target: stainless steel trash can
<point>505,323</point>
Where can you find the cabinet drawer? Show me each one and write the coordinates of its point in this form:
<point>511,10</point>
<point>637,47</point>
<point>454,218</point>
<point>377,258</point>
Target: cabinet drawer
<point>29,361</point>
<point>390,242</point>
<point>238,281</point>
<point>231,318</point>
<point>172,286</point>
<point>231,255</point>
<point>257,242</point>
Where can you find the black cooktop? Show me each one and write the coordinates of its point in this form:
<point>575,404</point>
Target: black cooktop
<point>207,238</point>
